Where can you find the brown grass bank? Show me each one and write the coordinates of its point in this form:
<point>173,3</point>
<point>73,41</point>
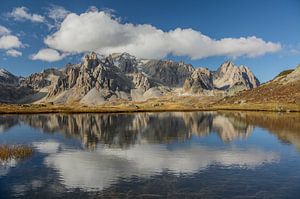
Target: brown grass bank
<point>8,152</point>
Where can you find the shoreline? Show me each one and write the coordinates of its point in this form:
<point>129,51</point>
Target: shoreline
<point>70,109</point>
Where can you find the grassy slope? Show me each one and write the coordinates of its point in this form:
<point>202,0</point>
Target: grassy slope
<point>274,95</point>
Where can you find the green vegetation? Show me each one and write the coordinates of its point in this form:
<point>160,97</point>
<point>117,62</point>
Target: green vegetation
<point>8,152</point>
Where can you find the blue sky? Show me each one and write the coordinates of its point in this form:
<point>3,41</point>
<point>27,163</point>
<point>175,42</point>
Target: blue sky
<point>277,22</point>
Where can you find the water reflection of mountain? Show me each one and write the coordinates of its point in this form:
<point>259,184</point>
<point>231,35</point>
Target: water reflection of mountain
<point>6,122</point>
<point>123,130</point>
<point>286,126</point>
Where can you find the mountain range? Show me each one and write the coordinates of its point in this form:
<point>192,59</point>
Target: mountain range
<point>98,79</point>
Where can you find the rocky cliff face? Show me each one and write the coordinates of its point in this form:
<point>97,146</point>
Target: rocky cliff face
<point>229,75</point>
<point>201,79</point>
<point>93,74</point>
<point>98,79</point>
<point>40,80</point>
<point>10,87</point>
<point>8,78</point>
<point>168,73</point>
<point>11,94</point>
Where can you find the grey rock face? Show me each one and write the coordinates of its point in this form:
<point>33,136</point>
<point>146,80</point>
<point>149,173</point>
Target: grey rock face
<point>168,73</point>
<point>229,75</point>
<point>8,78</point>
<point>66,80</point>
<point>92,73</point>
<point>10,88</point>
<point>227,78</point>
<point>40,80</point>
<point>125,62</point>
<point>201,79</point>
<point>11,93</point>
<point>141,81</point>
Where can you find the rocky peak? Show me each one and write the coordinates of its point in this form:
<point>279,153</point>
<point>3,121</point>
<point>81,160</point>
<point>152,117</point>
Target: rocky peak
<point>125,62</point>
<point>100,78</point>
<point>7,78</point>
<point>4,73</point>
<point>226,67</point>
<point>90,60</point>
<point>10,88</point>
<point>201,79</point>
<point>40,80</point>
<point>229,75</point>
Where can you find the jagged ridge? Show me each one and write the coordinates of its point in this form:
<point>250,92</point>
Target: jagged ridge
<point>122,76</point>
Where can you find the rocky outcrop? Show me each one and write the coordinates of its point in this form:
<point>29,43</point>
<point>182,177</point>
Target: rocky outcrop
<point>100,74</point>
<point>40,80</point>
<point>201,79</point>
<point>293,76</point>
<point>229,75</point>
<point>125,62</point>
<point>140,81</point>
<point>169,73</point>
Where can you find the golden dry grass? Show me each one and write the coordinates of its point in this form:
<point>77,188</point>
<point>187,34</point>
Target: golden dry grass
<point>156,104</point>
<point>8,152</point>
<point>167,103</point>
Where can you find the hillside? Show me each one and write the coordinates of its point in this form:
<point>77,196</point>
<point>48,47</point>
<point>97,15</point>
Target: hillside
<point>283,90</point>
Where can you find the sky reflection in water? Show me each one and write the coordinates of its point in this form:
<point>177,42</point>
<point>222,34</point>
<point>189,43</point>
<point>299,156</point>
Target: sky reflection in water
<point>93,153</point>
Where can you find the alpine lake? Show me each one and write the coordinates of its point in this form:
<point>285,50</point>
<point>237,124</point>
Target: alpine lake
<point>153,155</point>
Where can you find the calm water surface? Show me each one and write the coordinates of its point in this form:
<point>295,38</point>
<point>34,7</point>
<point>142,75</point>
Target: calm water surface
<point>153,155</point>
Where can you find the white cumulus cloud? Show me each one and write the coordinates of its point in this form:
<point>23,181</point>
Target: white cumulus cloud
<point>22,13</point>
<point>57,13</point>
<point>13,53</point>
<point>101,32</point>
<point>4,30</point>
<point>9,41</point>
<point>48,54</point>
